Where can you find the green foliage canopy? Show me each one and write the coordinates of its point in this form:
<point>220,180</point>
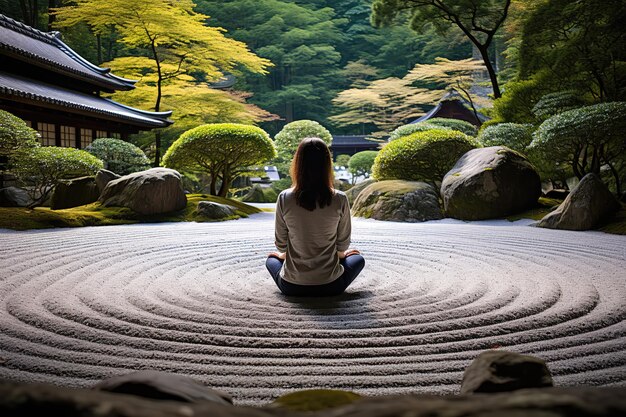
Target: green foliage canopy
<point>406,130</point>
<point>454,124</point>
<point>15,134</point>
<point>586,138</point>
<point>512,135</point>
<point>225,151</point>
<point>288,139</point>
<point>478,20</point>
<point>361,163</point>
<point>555,103</point>
<point>43,167</point>
<point>119,156</point>
<point>423,156</point>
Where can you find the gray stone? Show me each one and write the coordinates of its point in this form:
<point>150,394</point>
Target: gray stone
<point>501,371</point>
<point>14,197</point>
<point>155,191</point>
<point>163,386</point>
<point>589,204</point>
<point>397,200</point>
<point>488,183</point>
<point>354,192</point>
<point>103,177</point>
<point>18,400</point>
<point>73,193</point>
<point>214,211</point>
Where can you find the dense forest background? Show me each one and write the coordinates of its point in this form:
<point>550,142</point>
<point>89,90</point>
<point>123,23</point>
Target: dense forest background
<point>310,42</point>
<point>321,48</point>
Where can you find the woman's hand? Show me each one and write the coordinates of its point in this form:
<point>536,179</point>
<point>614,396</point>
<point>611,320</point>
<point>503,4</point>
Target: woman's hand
<point>279,255</point>
<point>347,253</point>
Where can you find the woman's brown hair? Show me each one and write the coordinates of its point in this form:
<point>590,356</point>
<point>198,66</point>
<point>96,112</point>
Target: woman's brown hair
<point>312,174</point>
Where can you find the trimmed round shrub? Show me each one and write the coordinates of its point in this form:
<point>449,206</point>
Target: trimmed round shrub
<point>409,129</point>
<point>342,160</point>
<point>361,163</point>
<point>423,156</point>
<point>225,151</point>
<point>119,156</point>
<point>15,134</point>
<point>42,168</point>
<point>454,124</point>
<point>288,139</point>
<point>555,103</point>
<point>512,135</point>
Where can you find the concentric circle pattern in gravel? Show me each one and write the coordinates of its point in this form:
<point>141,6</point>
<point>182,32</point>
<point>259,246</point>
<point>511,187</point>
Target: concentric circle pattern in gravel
<point>79,305</point>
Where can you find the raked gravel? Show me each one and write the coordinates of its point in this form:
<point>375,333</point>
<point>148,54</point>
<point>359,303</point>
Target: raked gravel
<point>79,305</point>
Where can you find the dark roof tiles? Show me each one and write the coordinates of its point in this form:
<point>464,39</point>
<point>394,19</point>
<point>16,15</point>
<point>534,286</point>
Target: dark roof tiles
<point>46,95</point>
<point>49,51</point>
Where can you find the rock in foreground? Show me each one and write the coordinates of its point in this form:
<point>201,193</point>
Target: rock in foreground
<point>43,400</point>
<point>397,200</point>
<point>14,197</point>
<point>155,191</point>
<point>214,211</point>
<point>488,183</point>
<point>501,371</point>
<point>73,193</point>
<point>589,204</point>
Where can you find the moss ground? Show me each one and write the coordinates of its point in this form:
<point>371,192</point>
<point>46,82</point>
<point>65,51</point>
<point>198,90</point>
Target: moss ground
<point>543,207</point>
<point>314,400</point>
<point>96,215</point>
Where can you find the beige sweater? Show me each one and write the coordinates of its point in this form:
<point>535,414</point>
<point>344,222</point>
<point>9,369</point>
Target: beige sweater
<point>311,239</point>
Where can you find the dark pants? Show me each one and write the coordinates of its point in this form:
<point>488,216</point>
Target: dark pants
<point>352,266</point>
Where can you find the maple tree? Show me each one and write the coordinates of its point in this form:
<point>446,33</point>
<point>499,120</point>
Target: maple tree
<point>170,37</point>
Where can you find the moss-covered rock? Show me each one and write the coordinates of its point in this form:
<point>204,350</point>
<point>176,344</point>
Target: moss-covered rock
<point>397,200</point>
<point>73,193</point>
<point>589,204</point>
<point>258,194</point>
<point>315,399</point>
<point>489,183</point>
<point>354,192</point>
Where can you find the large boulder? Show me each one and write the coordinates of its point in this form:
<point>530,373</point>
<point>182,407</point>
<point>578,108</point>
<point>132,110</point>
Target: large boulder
<point>500,371</point>
<point>398,200</point>
<point>589,204</point>
<point>155,191</point>
<point>355,190</point>
<point>14,197</point>
<point>214,211</point>
<point>163,386</point>
<point>488,183</point>
<point>73,193</point>
<point>103,177</point>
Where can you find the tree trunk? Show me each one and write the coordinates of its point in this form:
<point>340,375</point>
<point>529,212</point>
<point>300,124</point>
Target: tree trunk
<point>99,48</point>
<point>51,17</point>
<point>484,53</point>
<point>213,187</point>
<point>157,150</point>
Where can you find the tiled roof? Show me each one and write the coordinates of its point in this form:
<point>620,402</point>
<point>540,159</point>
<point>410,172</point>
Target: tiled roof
<point>17,88</point>
<point>354,140</point>
<point>46,50</point>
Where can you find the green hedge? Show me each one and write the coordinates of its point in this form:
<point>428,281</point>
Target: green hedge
<point>512,135</point>
<point>119,156</point>
<point>409,129</point>
<point>15,134</point>
<point>454,124</point>
<point>423,156</point>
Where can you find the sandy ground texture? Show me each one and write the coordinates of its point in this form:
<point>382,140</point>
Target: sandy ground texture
<point>79,305</point>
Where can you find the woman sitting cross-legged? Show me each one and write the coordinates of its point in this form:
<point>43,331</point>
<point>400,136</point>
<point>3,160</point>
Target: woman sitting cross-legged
<point>313,229</point>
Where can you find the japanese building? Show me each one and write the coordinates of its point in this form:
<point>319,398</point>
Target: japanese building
<point>453,106</point>
<point>349,145</point>
<point>58,93</point>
